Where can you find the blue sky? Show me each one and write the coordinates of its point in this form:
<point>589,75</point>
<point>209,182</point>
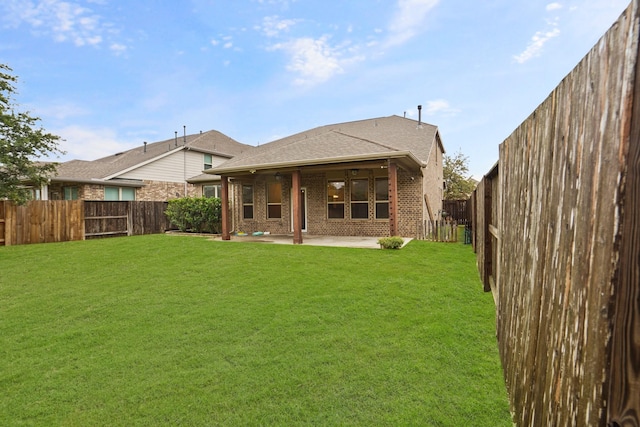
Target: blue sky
<point>107,75</point>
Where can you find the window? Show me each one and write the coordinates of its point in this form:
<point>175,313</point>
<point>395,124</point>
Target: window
<point>208,161</point>
<point>36,194</point>
<point>382,198</point>
<point>211,190</point>
<point>274,200</point>
<point>335,199</point>
<point>359,198</point>
<point>71,193</point>
<point>119,193</point>
<point>127,193</point>
<point>247,201</point>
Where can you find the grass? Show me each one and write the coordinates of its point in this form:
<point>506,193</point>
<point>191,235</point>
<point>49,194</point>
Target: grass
<point>169,330</point>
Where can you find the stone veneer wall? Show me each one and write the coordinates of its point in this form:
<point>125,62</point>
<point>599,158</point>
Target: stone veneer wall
<point>163,191</point>
<point>410,206</point>
<point>91,192</point>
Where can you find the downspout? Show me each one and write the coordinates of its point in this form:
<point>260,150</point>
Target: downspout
<point>184,156</point>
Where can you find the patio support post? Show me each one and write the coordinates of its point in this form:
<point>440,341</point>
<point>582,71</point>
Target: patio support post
<point>225,208</point>
<point>297,207</point>
<point>393,199</point>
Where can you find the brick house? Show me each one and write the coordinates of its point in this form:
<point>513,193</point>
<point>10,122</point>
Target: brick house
<point>375,177</point>
<point>156,171</point>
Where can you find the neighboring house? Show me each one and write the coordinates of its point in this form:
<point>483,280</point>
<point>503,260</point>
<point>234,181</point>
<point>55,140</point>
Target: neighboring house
<point>154,172</point>
<point>375,177</point>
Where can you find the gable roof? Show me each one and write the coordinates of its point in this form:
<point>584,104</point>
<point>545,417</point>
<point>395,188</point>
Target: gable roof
<point>106,168</point>
<point>371,139</point>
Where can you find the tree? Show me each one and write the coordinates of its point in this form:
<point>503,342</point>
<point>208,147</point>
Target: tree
<point>21,145</point>
<point>455,173</point>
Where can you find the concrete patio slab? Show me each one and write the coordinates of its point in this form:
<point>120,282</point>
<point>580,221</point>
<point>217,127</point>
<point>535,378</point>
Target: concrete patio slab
<point>312,240</point>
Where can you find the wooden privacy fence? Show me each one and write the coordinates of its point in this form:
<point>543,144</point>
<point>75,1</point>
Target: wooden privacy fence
<point>556,226</point>
<point>41,222</point>
<point>105,218</point>
<point>457,210</point>
<point>60,221</point>
<point>438,231</point>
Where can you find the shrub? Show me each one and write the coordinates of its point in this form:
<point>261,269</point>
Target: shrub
<point>394,242</point>
<point>196,214</point>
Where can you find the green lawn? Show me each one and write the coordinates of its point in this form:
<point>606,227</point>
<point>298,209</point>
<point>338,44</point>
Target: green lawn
<point>173,330</point>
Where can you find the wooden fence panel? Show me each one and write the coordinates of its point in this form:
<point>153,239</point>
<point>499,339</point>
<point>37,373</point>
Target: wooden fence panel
<point>438,231</point>
<point>148,218</point>
<point>106,218</point>
<point>41,221</point>
<point>457,210</point>
<point>563,220</point>
<point>3,228</point>
<point>124,218</point>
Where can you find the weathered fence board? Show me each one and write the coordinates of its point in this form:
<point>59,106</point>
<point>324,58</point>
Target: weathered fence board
<point>41,222</point>
<point>128,218</point>
<point>457,210</point>
<point>558,231</point>
<point>438,231</point>
<point>48,221</point>
<point>2,221</point>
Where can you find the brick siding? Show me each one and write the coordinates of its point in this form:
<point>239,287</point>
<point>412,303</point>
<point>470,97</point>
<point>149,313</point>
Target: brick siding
<point>410,206</point>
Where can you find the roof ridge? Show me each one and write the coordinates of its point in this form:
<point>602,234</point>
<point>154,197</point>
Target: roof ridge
<point>368,140</point>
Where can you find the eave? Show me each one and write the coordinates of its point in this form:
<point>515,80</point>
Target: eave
<point>405,158</point>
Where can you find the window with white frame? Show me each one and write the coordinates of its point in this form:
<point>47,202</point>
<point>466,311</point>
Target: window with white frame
<point>211,190</point>
<point>208,161</point>
<point>119,193</point>
<point>71,193</point>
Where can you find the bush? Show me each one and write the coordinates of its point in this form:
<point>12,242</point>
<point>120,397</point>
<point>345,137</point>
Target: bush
<point>394,242</point>
<point>196,214</point>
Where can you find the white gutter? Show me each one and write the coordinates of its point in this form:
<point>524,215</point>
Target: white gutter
<point>316,162</point>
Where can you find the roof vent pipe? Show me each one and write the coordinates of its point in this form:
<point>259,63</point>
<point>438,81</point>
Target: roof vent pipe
<point>176,138</point>
<point>145,146</point>
<point>184,137</point>
<point>419,115</point>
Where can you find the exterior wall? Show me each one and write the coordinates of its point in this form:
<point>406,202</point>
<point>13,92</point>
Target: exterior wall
<point>432,183</point>
<point>91,192</point>
<point>409,205</point>
<point>176,167</point>
<point>260,221</point>
<point>162,191</point>
<point>85,191</point>
<point>152,191</point>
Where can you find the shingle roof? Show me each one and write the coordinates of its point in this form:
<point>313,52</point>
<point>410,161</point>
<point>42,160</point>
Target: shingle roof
<point>212,142</point>
<point>367,139</point>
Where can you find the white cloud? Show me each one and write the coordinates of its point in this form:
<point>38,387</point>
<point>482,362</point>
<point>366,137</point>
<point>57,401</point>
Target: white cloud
<point>273,26</point>
<point>59,110</point>
<point>283,3</point>
<point>315,60</point>
<point>440,106</point>
<point>118,48</point>
<point>536,45</point>
<point>312,59</point>
<point>90,143</point>
<point>553,6</point>
<point>64,21</point>
<point>408,20</point>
